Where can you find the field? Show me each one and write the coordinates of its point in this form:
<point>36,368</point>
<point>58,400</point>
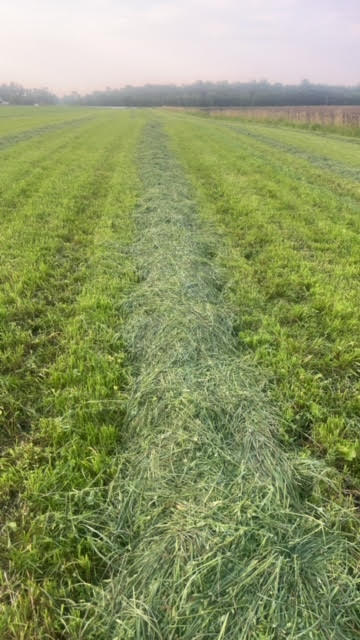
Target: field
<point>336,118</point>
<point>180,378</point>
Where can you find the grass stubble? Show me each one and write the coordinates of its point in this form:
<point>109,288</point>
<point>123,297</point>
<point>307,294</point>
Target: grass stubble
<point>221,533</point>
<point>55,474</point>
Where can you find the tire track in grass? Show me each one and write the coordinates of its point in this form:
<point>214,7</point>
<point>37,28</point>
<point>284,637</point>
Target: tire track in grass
<point>222,533</point>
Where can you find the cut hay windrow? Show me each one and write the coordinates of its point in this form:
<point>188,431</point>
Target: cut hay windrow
<point>220,533</point>
<point>293,230</point>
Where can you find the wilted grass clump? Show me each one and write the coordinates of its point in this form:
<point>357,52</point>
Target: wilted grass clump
<point>223,534</point>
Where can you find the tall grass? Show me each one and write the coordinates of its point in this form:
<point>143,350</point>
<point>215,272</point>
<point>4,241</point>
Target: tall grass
<point>218,532</point>
<point>337,119</point>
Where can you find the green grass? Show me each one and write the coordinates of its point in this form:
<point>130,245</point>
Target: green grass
<point>17,122</point>
<point>178,339</point>
<point>222,533</point>
<point>63,383</point>
<point>44,242</point>
<point>292,228</point>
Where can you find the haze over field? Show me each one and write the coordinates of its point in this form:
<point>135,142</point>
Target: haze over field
<point>89,44</point>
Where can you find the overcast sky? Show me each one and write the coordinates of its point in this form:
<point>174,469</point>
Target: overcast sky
<point>88,44</point>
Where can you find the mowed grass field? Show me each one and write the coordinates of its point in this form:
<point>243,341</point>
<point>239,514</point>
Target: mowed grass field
<point>180,361</point>
<point>65,201</point>
<point>287,202</point>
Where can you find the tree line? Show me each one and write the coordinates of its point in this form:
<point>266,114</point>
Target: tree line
<point>198,94</point>
<point>14,93</point>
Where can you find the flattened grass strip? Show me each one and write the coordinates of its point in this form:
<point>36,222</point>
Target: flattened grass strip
<point>223,534</point>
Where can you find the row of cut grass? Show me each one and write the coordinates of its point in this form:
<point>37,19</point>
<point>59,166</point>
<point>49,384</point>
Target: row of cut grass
<point>55,478</point>
<point>293,234</point>
<point>217,532</point>
<point>335,155</point>
<point>19,121</point>
<point>149,496</point>
<point>337,148</point>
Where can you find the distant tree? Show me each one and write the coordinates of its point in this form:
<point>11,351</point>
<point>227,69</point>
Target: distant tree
<point>198,94</point>
<point>16,94</point>
<point>222,94</point>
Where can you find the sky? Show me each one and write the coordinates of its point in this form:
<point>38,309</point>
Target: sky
<point>90,44</point>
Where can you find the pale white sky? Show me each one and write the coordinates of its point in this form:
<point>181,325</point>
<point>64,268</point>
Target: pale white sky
<point>88,44</point>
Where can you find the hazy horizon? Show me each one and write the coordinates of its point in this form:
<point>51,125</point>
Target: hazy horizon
<point>87,45</point>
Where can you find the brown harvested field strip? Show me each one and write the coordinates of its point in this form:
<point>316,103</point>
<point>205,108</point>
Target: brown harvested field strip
<point>339,116</point>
